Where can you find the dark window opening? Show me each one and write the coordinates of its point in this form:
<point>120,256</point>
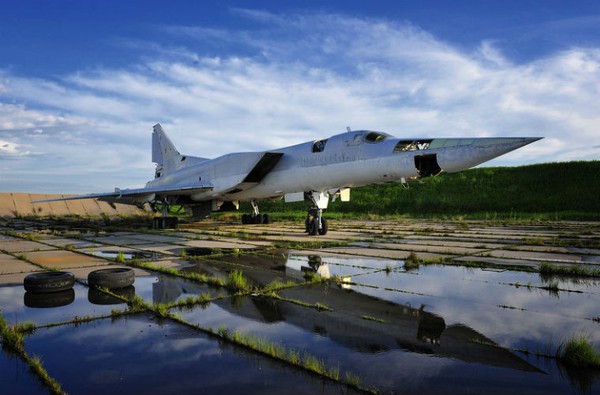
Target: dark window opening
<point>375,137</point>
<point>319,145</point>
<point>412,145</point>
<point>183,158</point>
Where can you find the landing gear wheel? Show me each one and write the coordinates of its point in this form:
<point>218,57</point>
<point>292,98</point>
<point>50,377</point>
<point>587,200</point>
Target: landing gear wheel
<point>45,282</point>
<point>168,222</point>
<point>246,219</point>
<point>324,227</point>
<point>118,277</point>
<point>266,219</point>
<point>313,227</point>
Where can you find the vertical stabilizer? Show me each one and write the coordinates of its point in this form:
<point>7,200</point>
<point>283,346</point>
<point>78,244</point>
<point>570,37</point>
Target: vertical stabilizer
<point>164,153</point>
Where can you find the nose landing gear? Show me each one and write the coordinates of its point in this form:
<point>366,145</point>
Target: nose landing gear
<point>315,222</point>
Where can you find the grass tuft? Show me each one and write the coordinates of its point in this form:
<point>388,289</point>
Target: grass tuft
<point>236,281</point>
<point>412,261</point>
<point>578,352</point>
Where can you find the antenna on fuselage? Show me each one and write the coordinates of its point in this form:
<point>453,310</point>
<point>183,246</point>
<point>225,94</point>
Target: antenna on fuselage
<point>348,128</point>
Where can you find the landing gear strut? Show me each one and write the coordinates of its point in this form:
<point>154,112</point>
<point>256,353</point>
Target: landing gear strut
<point>315,223</point>
<point>255,217</point>
<point>164,222</point>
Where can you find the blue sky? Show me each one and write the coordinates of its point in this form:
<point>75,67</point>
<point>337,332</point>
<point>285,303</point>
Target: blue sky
<point>82,82</point>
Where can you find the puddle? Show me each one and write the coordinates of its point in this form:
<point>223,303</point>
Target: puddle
<point>20,306</point>
<point>471,320</point>
<point>128,255</point>
<point>16,377</point>
<point>204,251</point>
<point>434,329</point>
<point>138,354</point>
<point>170,289</point>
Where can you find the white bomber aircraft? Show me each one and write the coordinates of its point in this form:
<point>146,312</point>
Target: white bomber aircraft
<point>315,171</point>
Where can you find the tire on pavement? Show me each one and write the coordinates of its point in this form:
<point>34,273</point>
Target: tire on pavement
<point>116,277</point>
<point>45,282</point>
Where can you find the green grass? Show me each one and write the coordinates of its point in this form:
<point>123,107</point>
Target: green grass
<point>547,269</point>
<point>578,352</point>
<point>12,336</point>
<point>412,262</point>
<point>549,191</point>
<point>371,318</point>
<point>120,257</point>
<point>12,339</point>
<point>237,282</point>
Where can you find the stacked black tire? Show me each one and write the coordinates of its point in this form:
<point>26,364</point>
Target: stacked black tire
<point>47,282</point>
<point>111,278</point>
<point>49,289</point>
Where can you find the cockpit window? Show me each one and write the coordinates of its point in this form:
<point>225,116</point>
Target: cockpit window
<point>319,145</point>
<point>412,145</point>
<point>375,137</point>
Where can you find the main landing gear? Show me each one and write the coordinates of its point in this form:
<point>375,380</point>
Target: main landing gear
<point>256,217</point>
<point>315,223</point>
<point>164,221</point>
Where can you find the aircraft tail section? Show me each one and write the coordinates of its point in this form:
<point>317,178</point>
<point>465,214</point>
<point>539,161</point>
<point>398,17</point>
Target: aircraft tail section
<point>164,153</point>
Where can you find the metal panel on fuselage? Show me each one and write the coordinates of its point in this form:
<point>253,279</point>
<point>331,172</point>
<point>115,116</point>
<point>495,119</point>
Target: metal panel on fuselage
<point>346,161</point>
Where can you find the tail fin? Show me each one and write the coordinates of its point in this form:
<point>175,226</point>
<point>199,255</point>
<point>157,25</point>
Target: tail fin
<point>164,153</point>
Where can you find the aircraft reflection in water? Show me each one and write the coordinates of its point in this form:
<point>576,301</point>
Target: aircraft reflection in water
<point>405,328</point>
<point>314,171</point>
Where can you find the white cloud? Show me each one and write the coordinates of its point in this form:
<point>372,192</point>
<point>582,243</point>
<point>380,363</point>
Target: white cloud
<point>294,78</point>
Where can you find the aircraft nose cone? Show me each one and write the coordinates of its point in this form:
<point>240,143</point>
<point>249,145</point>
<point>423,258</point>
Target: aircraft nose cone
<point>480,150</point>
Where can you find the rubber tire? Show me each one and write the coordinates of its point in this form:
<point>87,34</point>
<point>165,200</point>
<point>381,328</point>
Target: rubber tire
<point>116,277</point>
<point>266,219</point>
<point>324,227</point>
<point>49,299</point>
<point>245,219</point>
<point>45,282</point>
<point>313,227</point>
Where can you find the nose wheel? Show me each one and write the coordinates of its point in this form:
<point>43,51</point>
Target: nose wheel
<point>315,223</point>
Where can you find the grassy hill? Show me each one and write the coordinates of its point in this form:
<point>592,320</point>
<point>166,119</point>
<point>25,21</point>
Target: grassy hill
<point>569,190</point>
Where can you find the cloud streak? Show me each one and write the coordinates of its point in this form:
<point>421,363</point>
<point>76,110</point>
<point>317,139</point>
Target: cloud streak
<point>291,78</point>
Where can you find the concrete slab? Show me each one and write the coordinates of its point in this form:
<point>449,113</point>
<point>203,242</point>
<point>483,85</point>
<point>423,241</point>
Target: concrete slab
<point>217,244</point>
<point>391,254</point>
<point>12,279</point>
<point>60,259</point>
<point>161,248</point>
<point>434,241</point>
<point>447,249</point>
<point>10,264</point>
<point>497,261</point>
<point>118,240</point>
<point>535,256</point>
<point>19,245</point>
<point>156,238</point>
<point>72,243</point>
